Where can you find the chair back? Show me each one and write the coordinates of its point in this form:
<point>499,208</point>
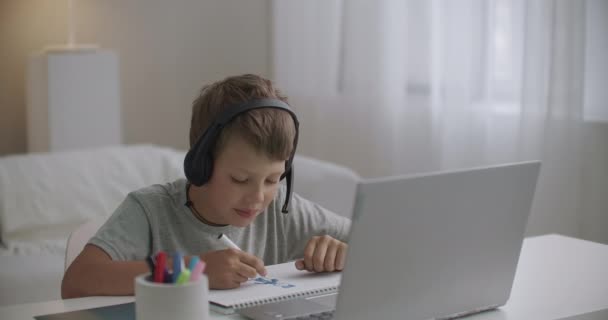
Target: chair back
<point>78,239</point>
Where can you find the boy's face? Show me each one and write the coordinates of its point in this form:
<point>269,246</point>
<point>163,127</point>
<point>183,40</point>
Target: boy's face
<point>242,184</point>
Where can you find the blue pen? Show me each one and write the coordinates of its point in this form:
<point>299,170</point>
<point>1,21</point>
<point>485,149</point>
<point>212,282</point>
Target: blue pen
<point>177,266</point>
<point>193,261</point>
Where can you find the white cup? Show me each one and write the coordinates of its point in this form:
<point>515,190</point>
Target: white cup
<point>166,301</point>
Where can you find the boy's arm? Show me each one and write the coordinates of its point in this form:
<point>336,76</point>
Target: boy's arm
<point>94,273</point>
<point>108,263</point>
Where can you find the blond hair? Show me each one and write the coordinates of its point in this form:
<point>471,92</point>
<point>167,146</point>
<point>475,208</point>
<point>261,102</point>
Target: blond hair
<point>267,130</point>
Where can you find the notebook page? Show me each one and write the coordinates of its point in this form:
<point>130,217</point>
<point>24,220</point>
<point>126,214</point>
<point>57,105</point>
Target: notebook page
<point>283,281</point>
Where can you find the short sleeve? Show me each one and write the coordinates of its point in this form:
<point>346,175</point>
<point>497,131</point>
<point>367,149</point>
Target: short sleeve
<point>126,234</point>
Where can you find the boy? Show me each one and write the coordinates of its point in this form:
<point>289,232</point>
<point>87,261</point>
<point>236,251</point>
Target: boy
<point>242,198</point>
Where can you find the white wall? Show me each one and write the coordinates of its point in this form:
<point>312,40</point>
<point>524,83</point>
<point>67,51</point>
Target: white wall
<point>166,49</point>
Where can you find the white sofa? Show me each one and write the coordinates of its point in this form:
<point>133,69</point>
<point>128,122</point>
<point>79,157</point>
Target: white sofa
<point>45,196</point>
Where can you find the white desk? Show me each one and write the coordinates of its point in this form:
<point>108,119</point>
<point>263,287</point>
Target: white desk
<point>556,277</point>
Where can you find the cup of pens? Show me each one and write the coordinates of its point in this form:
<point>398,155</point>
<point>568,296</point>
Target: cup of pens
<point>181,292</point>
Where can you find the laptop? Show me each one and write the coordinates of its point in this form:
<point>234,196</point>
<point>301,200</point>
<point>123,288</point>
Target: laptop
<point>428,246</point>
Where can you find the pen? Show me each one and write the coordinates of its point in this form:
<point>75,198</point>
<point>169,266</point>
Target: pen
<point>161,260</point>
<point>167,276</point>
<point>193,261</point>
<point>197,271</point>
<point>177,266</point>
<point>227,242</point>
<point>184,276</point>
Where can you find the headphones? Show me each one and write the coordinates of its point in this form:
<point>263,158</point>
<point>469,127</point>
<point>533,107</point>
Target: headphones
<point>198,164</point>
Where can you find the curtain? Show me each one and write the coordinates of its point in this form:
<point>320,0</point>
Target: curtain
<point>395,87</point>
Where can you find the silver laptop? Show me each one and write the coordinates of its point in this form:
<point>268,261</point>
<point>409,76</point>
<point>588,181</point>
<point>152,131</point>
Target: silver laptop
<point>429,246</point>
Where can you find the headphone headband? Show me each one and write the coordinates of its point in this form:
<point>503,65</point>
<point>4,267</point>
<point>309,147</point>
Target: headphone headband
<point>236,109</point>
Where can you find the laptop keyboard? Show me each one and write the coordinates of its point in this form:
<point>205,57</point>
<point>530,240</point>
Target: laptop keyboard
<point>328,315</point>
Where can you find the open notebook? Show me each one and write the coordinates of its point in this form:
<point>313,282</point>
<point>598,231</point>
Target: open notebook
<point>282,282</point>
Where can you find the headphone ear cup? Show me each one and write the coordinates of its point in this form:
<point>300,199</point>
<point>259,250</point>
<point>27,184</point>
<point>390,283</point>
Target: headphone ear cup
<point>190,169</point>
<point>206,168</point>
<point>198,163</point>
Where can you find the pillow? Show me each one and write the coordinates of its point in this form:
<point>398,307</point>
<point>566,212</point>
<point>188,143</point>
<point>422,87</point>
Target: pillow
<point>45,196</point>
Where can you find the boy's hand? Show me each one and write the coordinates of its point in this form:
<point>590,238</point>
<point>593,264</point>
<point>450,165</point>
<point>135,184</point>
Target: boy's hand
<point>323,254</point>
<point>227,269</point>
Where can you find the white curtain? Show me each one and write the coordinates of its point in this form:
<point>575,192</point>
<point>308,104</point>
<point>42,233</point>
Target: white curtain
<point>394,87</point>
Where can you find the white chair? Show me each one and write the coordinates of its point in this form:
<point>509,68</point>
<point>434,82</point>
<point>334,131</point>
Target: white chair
<point>78,239</point>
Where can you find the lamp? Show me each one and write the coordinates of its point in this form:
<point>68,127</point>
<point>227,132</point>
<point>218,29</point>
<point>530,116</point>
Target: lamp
<point>73,96</point>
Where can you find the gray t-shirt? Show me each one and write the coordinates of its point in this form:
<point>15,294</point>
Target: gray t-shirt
<point>156,219</point>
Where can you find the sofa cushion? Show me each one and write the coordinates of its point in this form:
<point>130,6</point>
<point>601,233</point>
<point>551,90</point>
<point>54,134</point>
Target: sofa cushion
<point>43,197</point>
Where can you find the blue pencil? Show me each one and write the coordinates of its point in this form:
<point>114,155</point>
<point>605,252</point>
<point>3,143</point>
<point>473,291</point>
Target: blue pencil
<point>177,266</point>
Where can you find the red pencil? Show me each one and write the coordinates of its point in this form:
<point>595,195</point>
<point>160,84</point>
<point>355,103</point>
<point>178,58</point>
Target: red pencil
<point>161,262</point>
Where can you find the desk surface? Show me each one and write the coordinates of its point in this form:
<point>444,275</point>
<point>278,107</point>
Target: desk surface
<point>556,277</point>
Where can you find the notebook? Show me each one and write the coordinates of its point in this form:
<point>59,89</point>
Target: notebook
<point>283,282</point>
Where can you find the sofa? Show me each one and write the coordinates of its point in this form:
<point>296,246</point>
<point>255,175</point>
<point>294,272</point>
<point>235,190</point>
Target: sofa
<point>45,196</point>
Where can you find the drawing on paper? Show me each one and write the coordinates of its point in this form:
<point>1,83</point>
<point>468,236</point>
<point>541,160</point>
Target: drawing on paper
<point>272,282</point>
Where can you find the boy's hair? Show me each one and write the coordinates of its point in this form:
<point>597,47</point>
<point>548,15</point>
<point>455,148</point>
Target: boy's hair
<point>269,131</point>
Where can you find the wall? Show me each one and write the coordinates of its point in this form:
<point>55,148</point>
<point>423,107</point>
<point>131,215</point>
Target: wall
<point>25,26</point>
<point>167,51</point>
